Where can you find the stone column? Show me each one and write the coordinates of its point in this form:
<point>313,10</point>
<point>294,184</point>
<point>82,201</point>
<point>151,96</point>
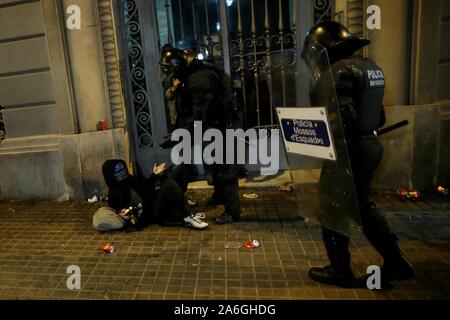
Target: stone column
<point>356,16</point>
<point>87,67</point>
<point>110,52</point>
<point>391,48</point>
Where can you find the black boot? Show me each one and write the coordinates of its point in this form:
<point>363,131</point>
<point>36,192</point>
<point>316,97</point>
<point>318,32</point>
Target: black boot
<point>330,275</point>
<point>395,267</point>
<point>226,218</point>
<point>339,272</point>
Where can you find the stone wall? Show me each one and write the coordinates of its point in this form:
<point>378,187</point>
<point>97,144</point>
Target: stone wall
<point>444,54</point>
<point>56,85</point>
<point>26,88</point>
<point>411,157</point>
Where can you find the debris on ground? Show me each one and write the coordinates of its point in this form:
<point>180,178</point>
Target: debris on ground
<point>233,245</point>
<point>107,247</point>
<point>286,187</point>
<point>403,195</point>
<point>192,203</point>
<point>97,198</point>
<point>251,196</point>
<point>443,191</point>
<point>94,199</point>
<point>251,244</point>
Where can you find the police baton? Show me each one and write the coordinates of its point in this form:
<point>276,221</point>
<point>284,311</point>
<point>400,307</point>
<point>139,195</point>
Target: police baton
<point>393,127</point>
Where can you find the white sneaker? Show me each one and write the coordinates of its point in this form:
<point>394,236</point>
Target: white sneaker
<point>200,215</point>
<point>195,223</point>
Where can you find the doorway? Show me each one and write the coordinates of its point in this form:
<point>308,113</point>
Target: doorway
<point>257,42</point>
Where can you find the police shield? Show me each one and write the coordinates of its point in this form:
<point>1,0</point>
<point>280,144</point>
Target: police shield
<point>316,150</point>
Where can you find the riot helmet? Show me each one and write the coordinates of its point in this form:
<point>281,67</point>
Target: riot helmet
<point>184,44</point>
<point>335,38</point>
<point>175,61</point>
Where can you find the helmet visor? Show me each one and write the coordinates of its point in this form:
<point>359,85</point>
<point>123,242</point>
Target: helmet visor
<point>164,72</point>
<point>313,55</point>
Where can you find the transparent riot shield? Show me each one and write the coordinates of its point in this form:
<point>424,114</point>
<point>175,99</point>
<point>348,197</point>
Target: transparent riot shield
<point>317,153</point>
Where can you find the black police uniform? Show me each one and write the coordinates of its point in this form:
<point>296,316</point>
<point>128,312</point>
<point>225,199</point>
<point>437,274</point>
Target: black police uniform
<point>359,85</point>
<point>212,101</point>
<point>206,96</point>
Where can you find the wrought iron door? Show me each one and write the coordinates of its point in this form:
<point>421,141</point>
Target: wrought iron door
<point>260,42</point>
<point>146,118</point>
<point>255,41</point>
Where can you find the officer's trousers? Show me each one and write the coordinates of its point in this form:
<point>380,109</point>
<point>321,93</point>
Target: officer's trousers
<point>226,187</point>
<point>365,156</point>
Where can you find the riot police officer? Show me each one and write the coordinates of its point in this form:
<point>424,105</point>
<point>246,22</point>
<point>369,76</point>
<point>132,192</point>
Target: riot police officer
<point>359,84</point>
<point>204,94</point>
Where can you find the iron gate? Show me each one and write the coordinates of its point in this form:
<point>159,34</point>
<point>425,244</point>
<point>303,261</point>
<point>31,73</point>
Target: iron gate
<point>260,41</point>
<point>255,41</point>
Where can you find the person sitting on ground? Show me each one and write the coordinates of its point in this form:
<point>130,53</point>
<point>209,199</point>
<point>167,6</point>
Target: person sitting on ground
<point>159,199</point>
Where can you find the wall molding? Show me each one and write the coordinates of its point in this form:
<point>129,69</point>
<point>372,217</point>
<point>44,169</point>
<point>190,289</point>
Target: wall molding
<point>111,60</point>
<point>356,18</point>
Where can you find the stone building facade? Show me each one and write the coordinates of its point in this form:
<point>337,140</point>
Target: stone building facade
<point>57,84</point>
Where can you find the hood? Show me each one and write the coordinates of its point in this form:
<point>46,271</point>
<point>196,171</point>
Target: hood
<point>115,173</point>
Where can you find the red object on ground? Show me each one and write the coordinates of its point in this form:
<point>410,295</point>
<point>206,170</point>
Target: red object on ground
<point>401,193</point>
<point>404,194</point>
<point>442,190</point>
<point>107,247</point>
<point>414,195</point>
<point>251,244</point>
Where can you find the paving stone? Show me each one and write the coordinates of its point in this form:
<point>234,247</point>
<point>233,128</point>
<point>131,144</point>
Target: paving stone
<point>41,239</point>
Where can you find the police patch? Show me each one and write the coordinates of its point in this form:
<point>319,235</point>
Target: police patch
<point>375,78</point>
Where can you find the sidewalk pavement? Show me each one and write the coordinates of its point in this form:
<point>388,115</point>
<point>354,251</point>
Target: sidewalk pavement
<point>40,240</point>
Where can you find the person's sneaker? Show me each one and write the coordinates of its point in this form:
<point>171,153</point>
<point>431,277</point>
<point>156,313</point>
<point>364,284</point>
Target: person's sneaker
<point>329,275</point>
<point>195,222</point>
<point>200,215</point>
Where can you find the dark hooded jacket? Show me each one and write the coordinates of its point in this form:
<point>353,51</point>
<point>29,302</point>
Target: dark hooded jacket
<point>127,191</point>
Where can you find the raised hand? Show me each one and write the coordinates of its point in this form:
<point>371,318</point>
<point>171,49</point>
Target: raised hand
<point>157,170</point>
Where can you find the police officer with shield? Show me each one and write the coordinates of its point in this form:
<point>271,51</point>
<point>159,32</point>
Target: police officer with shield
<point>203,93</point>
<point>359,84</point>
